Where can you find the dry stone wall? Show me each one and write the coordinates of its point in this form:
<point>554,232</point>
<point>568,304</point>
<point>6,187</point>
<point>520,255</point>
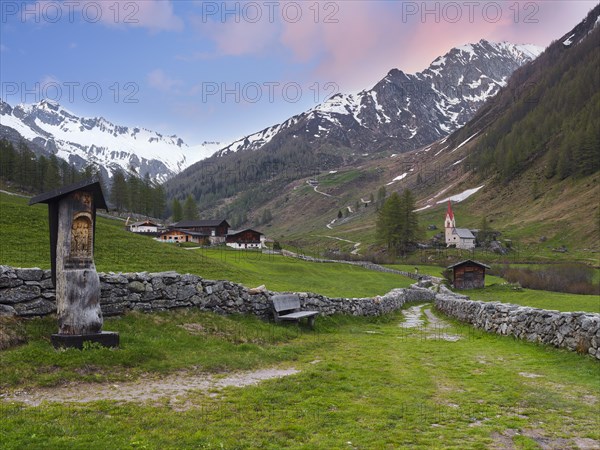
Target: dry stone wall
<point>575,331</point>
<point>29,292</point>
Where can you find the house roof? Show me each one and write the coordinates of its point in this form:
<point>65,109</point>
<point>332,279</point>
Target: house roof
<point>469,261</point>
<point>189,233</point>
<point>463,233</point>
<point>450,212</point>
<point>92,186</point>
<point>234,232</point>
<point>144,222</point>
<point>199,223</point>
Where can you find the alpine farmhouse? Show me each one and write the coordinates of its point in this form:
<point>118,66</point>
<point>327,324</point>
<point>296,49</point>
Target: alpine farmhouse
<point>212,232</point>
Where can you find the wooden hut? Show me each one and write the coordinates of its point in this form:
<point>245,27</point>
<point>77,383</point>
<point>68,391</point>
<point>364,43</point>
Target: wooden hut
<point>468,274</point>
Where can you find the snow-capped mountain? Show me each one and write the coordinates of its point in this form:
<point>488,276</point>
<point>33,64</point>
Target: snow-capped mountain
<point>404,111</point>
<point>81,141</point>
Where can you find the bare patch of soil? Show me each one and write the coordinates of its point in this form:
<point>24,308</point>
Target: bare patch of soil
<point>435,328</point>
<point>505,440</point>
<point>144,389</point>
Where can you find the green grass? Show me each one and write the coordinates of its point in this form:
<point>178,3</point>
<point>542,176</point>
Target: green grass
<point>434,271</point>
<point>505,293</point>
<point>150,343</point>
<point>335,179</point>
<point>117,250</point>
<point>363,383</point>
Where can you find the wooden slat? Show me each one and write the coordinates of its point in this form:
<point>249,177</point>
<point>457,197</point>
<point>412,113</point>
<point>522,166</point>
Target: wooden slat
<point>298,315</point>
<point>285,302</point>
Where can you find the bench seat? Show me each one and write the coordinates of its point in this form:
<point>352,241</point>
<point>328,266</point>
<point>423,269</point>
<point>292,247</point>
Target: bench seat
<point>298,315</point>
<point>287,307</point>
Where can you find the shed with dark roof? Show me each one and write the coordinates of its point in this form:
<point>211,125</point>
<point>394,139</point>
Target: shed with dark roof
<point>468,274</point>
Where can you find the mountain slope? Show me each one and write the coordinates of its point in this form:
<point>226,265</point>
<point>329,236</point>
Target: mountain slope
<point>505,164</point>
<point>404,111</point>
<point>81,141</point>
<point>401,112</point>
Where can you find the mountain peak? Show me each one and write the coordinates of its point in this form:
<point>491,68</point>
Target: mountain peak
<point>401,111</point>
<point>96,140</point>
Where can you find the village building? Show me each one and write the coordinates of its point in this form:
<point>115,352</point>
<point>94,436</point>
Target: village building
<point>468,274</point>
<point>215,231</point>
<point>144,226</point>
<point>247,238</point>
<point>457,237</point>
<point>179,236</point>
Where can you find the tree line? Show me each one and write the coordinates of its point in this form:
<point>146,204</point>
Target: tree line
<point>22,168</point>
<point>556,119</point>
<point>142,196</point>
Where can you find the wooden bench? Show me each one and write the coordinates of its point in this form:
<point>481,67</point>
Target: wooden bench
<point>287,307</point>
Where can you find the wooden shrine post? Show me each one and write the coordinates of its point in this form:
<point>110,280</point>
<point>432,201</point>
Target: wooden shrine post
<point>72,219</point>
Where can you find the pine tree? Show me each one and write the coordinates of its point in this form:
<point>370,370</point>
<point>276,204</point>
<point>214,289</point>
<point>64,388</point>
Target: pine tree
<point>42,171</point>
<point>134,190</point>
<point>53,178</point>
<point>177,211</point>
<point>119,192</point>
<point>190,209</point>
<point>159,202</point>
<point>388,222</point>
<point>381,193</point>
<point>397,224</point>
<point>409,231</point>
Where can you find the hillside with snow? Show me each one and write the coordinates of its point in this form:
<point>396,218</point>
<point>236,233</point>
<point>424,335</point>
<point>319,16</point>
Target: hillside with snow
<point>84,140</point>
<point>403,111</point>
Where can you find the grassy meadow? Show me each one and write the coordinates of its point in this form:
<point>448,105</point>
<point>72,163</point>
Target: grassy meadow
<point>120,251</point>
<point>361,383</point>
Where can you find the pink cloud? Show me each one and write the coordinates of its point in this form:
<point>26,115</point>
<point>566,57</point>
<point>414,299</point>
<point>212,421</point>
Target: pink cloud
<point>370,38</point>
<point>355,43</point>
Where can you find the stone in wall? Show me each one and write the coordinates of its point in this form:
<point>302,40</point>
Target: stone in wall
<point>575,331</point>
<point>29,292</point>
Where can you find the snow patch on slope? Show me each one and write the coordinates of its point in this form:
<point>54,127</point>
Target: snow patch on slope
<point>462,196</point>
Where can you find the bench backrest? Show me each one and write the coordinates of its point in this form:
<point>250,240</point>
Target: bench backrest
<point>285,302</point>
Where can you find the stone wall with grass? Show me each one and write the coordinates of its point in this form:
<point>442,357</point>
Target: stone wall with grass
<point>576,331</point>
<point>29,292</point>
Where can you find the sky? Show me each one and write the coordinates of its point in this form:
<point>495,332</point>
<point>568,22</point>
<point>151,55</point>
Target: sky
<point>216,71</point>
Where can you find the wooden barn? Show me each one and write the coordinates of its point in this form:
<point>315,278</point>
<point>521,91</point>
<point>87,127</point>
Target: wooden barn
<point>245,239</point>
<point>468,274</point>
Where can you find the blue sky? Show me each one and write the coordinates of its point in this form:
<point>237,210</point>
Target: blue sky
<point>215,71</point>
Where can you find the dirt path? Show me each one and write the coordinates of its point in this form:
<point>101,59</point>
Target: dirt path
<point>322,193</point>
<point>356,248</point>
<point>144,389</point>
<point>435,328</point>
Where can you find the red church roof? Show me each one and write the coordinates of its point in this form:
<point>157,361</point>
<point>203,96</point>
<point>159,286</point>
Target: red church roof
<point>450,213</point>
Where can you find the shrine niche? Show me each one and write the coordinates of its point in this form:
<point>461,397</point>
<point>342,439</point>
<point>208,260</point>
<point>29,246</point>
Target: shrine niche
<point>72,219</point>
<point>81,238</point>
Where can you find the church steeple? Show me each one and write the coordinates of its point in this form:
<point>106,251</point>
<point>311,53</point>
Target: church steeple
<point>450,222</point>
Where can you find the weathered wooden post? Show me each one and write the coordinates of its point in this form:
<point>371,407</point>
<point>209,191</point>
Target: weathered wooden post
<point>72,219</point>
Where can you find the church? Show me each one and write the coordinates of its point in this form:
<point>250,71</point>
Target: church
<point>457,237</point>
